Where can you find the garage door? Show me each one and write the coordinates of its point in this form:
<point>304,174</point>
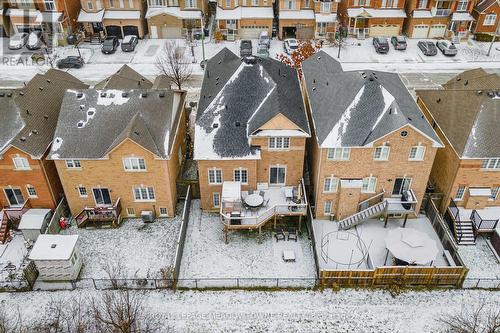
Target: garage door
<point>420,31</point>
<point>114,30</point>
<point>130,30</point>
<point>384,30</point>
<point>171,32</point>
<point>250,33</point>
<point>437,30</point>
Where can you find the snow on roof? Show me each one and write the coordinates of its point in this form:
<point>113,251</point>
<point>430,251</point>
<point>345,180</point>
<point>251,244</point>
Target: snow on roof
<point>370,12</point>
<point>49,17</point>
<point>326,17</point>
<point>174,11</point>
<point>90,17</point>
<point>279,132</point>
<point>33,219</point>
<point>53,247</point>
<point>459,16</point>
<point>15,12</point>
<point>479,192</point>
<point>244,12</point>
<point>122,15</point>
<point>231,191</point>
<point>304,14</point>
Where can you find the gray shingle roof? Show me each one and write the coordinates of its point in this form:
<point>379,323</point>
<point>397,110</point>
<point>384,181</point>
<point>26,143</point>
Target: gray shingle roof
<point>125,78</point>
<point>29,115</point>
<point>92,122</point>
<point>241,97</point>
<point>484,4</point>
<point>355,108</point>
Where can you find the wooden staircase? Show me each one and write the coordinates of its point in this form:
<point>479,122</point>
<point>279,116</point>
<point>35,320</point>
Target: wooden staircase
<point>465,233</point>
<point>4,227</point>
<point>363,215</point>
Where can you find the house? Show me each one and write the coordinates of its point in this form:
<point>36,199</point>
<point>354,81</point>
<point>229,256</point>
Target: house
<point>125,78</point>
<point>56,257</point>
<point>34,223</point>
<point>29,116</point>
<point>251,141</point>
<point>53,17</point>
<point>467,171</point>
<point>306,19</point>
<point>175,18</point>
<point>438,19</point>
<point>100,18</point>
<point>244,18</point>
<point>373,17</point>
<point>372,149</point>
<point>486,14</point>
<point>118,152</point>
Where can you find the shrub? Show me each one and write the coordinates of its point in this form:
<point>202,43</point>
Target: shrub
<point>485,37</point>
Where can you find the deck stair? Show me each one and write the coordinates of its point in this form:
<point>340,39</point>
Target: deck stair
<point>4,227</point>
<point>363,215</point>
<point>465,233</point>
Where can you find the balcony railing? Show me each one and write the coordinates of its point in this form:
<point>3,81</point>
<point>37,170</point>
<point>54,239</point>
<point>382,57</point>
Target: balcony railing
<point>111,214</point>
<point>15,213</point>
<point>482,225</point>
<point>440,11</point>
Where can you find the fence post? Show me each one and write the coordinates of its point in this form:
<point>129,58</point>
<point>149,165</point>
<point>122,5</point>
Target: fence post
<point>93,281</point>
<point>277,282</point>
<point>477,284</point>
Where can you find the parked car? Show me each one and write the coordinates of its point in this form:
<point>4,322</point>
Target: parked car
<point>263,51</point>
<point>448,49</point>
<point>129,43</point>
<point>381,44</point>
<point>110,45</point>
<point>17,41</point>
<point>34,40</point>
<point>246,48</point>
<point>70,62</point>
<point>264,39</point>
<point>399,43</point>
<point>427,47</point>
<point>290,45</point>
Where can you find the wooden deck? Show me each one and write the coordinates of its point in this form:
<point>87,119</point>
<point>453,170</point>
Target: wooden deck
<point>98,216</point>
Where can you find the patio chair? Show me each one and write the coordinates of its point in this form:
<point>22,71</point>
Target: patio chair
<point>292,234</point>
<point>279,235</point>
<point>262,193</point>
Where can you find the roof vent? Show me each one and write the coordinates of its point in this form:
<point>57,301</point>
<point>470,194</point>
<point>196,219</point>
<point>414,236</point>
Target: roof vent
<point>79,94</point>
<point>438,100</point>
<point>23,139</point>
<point>41,88</point>
<point>34,131</point>
<point>144,94</point>
<point>2,94</point>
<point>9,94</point>
<point>216,83</point>
<point>45,117</point>
<point>208,73</point>
<point>479,92</point>
<point>215,125</point>
<point>409,118</point>
<point>103,94</point>
<point>459,78</point>
<point>497,93</point>
<point>137,133</point>
<point>28,112</point>
<point>82,106</point>
<point>124,94</point>
<point>80,124</point>
<point>319,58</point>
<point>249,60</point>
<point>466,82</point>
<point>21,93</point>
<point>48,81</point>
<point>491,93</point>
<point>314,88</point>
<point>371,78</point>
<point>237,124</point>
<point>90,113</point>
<point>53,246</point>
<point>217,78</point>
<point>161,94</point>
<point>314,81</point>
<point>326,82</point>
<point>390,110</point>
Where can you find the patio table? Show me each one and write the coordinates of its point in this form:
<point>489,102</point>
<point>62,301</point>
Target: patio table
<point>288,256</point>
<point>254,200</point>
<point>289,192</point>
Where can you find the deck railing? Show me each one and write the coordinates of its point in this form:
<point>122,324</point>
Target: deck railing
<point>479,224</point>
<point>100,214</point>
<point>14,213</point>
<point>377,198</point>
<point>394,201</point>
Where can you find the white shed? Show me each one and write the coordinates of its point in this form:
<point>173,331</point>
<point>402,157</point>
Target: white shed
<point>34,222</point>
<point>57,257</point>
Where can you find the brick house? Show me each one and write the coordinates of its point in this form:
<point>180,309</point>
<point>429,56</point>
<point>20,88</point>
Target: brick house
<point>486,14</point>
<point>29,116</point>
<point>306,19</point>
<point>370,142</point>
<point>438,19</point>
<point>467,171</point>
<point>118,152</point>
<point>244,18</point>
<point>373,17</point>
<point>175,18</point>
<point>113,18</point>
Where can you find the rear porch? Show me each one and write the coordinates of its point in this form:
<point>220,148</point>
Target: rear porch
<point>100,215</point>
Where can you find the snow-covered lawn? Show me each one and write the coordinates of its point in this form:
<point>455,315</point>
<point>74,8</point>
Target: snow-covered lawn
<point>12,257</point>
<point>286,311</point>
<point>207,256</point>
<point>480,260</point>
<point>142,249</point>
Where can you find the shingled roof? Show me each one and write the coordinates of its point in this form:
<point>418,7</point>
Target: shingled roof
<point>94,121</point>
<point>355,108</point>
<point>29,114</point>
<point>468,115</point>
<point>125,78</point>
<point>238,96</point>
<point>473,79</point>
<point>484,4</point>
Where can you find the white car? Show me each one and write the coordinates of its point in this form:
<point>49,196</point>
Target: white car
<point>34,40</point>
<point>290,45</point>
<point>18,40</point>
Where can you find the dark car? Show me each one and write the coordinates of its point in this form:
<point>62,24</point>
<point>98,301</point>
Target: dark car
<point>428,48</point>
<point>70,62</point>
<point>381,45</point>
<point>129,43</point>
<point>110,45</point>
<point>448,49</point>
<point>399,42</point>
<point>246,48</point>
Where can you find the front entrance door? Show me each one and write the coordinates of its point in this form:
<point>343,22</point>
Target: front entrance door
<point>102,197</point>
<point>14,196</point>
<point>277,175</point>
<point>401,185</point>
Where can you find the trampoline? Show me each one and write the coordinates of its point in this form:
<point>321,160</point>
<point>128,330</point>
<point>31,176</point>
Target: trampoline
<point>343,249</point>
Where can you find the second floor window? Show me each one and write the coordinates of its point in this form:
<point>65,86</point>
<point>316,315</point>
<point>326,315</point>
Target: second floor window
<point>144,193</point>
<point>156,3</point>
<point>369,185</point>
<point>90,5</point>
<point>190,3</point>
<point>21,163</point>
<point>279,143</point>
<point>228,3</point>
<point>215,176</point>
<point>494,193</point>
<point>241,175</point>
<point>49,5</point>
<point>460,193</point>
<point>307,3</point>
<point>361,3</point>
<point>491,164</point>
<point>331,184</point>
<point>289,4</point>
<point>422,4</point>
<point>326,7</point>
<point>112,3</point>
<point>134,164</point>
<point>381,153</point>
<point>255,2</point>
<point>339,154</point>
<point>417,153</point>
<point>73,164</point>
<point>462,6</point>
<point>389,3</point>
<point>490,19</point>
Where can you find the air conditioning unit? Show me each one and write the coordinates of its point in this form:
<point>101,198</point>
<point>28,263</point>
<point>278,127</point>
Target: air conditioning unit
<point>147,216</point>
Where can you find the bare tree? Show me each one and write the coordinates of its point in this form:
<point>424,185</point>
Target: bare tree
<point>173,63</point>
<point>475,319</point>
<point>114,271</point>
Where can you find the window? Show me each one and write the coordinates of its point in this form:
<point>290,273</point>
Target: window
<point>215,176</point>
<point>31,191</point>
<point>190,3</point>
<point>98,5</point>
<point>491,164</point>
<point>134,164</point>
<point>381,153</point>
<point>154,3</point>
<point>404,134</point>
<point>422,4</point>
<point>331,184</point>
<point>90,5</point>
<point>131,3</point>
<point>462,6</point>
<point>490,19</point>
<point>102,196</point>
<point>21,163</point>
<point>460,193</point>
<point>241,175</point>
<point>228,3</point>
<point>73,164</point>
<point>326,7</point>
<point>82,191</point>
<point>255,2</point>
<point>216,199</point>
<point>14,196</point>
<point>494,193</point>
<point>144,193</point>
<point>279,143</point>
<point>389,4</point>
<point>122,4</point>
<point>417,153</point>
<point>163,211</point>
<point>112,3</point>
<point>307,3</point>
<point>289,4</point>
<point>130,211</point>
<point>369,184</point>
<point>49,5</point>
<point>339,154</point>
<point>328,208</point>
<point>277,175</point>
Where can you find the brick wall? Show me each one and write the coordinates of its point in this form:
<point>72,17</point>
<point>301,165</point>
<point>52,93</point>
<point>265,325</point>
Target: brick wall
<point>479,27</point>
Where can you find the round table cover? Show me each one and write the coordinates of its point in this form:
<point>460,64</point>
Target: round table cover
<point>254,200</point>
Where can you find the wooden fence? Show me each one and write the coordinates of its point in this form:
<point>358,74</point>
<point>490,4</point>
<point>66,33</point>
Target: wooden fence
<point>61,210</point>
<point>182,234</point>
